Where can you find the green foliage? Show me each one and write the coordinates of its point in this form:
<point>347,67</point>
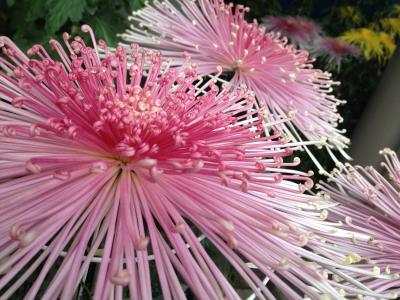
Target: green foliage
<point>105,30</point>
<point>36,10</point>
<point>37,21</point>
<point>136,4</point>
<point>60,11</point>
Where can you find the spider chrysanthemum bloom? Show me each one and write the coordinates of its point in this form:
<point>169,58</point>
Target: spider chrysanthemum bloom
<point>217,34</point>
<point>300,31</point>
<point>110,172</point>
<point>370,203</point>
<point>335,51</point>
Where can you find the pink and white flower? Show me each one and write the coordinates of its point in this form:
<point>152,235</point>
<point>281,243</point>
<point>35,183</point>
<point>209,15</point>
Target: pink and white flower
<point>217,34</point>
<point>370,204</point>
<point>104,168</point>
<point>300,31</point>
<point>335,51</point>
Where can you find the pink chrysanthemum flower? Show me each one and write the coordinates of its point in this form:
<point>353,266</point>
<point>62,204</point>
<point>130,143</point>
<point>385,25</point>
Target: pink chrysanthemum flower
<point>300,31</point>
<point>370,204</point>
<point>335,51</point>
<point>215,34</point>
<point>109,170</point>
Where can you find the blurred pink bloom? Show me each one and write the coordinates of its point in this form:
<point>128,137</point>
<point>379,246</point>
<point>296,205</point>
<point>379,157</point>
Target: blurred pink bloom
<point>216,34</point>
<point>370,204</point>
<point>300,31</point>
<point>105,168</point>
<point>335,51</point>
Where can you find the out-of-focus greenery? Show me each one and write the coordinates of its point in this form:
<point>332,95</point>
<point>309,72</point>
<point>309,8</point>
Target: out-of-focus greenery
<point>37,21</point>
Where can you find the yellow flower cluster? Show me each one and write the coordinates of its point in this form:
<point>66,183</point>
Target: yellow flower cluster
<point>391,25</point>
<point>373,44</point>
<point>378,39</point>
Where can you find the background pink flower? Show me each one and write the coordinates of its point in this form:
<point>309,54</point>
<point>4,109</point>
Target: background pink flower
<point>335,51</point>
<point>217,34</point>
<point>300,31</point>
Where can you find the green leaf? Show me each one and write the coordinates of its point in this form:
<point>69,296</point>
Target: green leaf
<point>10,2</point>
<point>136,4</point>
<point>37,9</point>
<point>92,6</point>
<point>107,27</point>
<point>62,10</point>
<point>27,38</point>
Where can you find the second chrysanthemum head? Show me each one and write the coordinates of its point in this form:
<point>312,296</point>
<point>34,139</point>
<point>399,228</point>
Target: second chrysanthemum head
<point>216,34</point>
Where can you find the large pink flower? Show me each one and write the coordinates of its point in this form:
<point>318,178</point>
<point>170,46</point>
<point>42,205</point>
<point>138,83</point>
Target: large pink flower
<point>370,204</point>
<point>107,170</point>
<point>216,34</point>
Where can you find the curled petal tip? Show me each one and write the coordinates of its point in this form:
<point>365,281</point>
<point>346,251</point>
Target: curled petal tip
<point>86,28</point>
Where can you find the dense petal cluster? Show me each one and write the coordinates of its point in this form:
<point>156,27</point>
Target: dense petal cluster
<point>217,34</point>
<point>370,203</point>
<point>298,30</point>
<point>115,170</point>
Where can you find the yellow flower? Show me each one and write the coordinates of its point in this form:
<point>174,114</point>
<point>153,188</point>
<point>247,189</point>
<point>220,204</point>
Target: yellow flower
<point>391,25</point>
<point>350,13</point>
<point>373,44</point>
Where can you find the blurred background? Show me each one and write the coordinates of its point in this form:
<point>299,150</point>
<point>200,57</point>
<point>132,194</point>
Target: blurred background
<point>354,40</point>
